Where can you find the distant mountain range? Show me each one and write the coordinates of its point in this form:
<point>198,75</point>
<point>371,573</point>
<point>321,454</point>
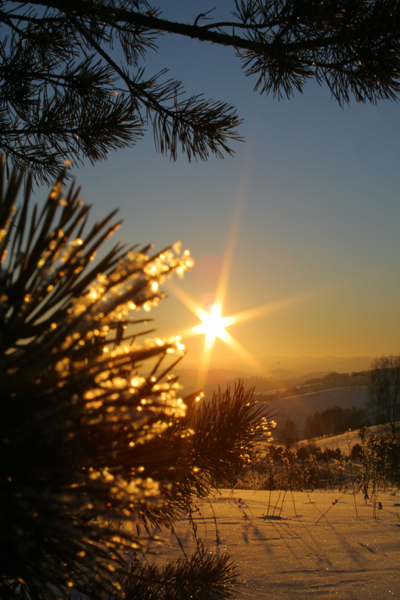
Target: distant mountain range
<point>301,365</point>
<point>279,371</point>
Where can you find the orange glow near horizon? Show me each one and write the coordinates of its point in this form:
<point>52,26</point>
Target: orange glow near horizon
<point>213,324</point>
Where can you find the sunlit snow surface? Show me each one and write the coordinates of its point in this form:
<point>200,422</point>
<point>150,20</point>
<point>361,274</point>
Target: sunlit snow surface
<point>319,545</point>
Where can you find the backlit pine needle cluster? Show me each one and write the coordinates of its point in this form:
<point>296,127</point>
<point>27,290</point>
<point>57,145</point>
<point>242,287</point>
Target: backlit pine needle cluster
<point>97,443</point>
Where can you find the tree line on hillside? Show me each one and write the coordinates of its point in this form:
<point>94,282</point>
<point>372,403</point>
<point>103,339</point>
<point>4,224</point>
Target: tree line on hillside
<point>382,407</point>
<point>276,389</point>
<point>329,422</point>
<point>334,421</point>
<point>333,379</point>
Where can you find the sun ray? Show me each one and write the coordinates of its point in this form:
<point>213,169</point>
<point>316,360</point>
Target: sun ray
<point>229,252</point>
<point>241,351</point>
<point>270,307</point>
<point>213,324</point>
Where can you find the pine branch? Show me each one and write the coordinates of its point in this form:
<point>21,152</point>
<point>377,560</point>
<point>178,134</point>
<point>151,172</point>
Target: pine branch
<point>201,577</point>
<point>73,406</point>
<point>69,97</point>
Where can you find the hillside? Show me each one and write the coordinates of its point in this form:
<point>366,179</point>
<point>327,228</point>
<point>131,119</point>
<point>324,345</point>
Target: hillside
<point>343,441</point>
<point>298,408</point>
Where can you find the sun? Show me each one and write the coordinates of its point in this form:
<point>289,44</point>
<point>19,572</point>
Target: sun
<point>213,324</point>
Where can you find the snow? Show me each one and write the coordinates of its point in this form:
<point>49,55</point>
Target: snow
<point>344,441</point>
<point>300,546</point>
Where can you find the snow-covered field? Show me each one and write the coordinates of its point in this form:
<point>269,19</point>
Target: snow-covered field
<point>320,545</point>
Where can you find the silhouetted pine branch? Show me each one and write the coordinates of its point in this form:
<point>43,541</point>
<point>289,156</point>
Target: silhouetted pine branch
<point>85,92</point>
<point>202,577</point>
<point>94,432</point>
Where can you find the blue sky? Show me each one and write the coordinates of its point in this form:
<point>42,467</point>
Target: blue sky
<point>313,193</point>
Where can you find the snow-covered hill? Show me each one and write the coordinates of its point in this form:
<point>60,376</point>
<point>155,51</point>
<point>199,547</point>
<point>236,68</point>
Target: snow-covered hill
<point>298,408</point>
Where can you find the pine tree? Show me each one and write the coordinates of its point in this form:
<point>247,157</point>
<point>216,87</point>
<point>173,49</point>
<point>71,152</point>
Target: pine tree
<point>95,431</point>
<point>384,393</point>
<point>65,93</point>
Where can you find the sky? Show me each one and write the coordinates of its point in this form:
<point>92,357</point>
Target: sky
<point>302,224</point>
